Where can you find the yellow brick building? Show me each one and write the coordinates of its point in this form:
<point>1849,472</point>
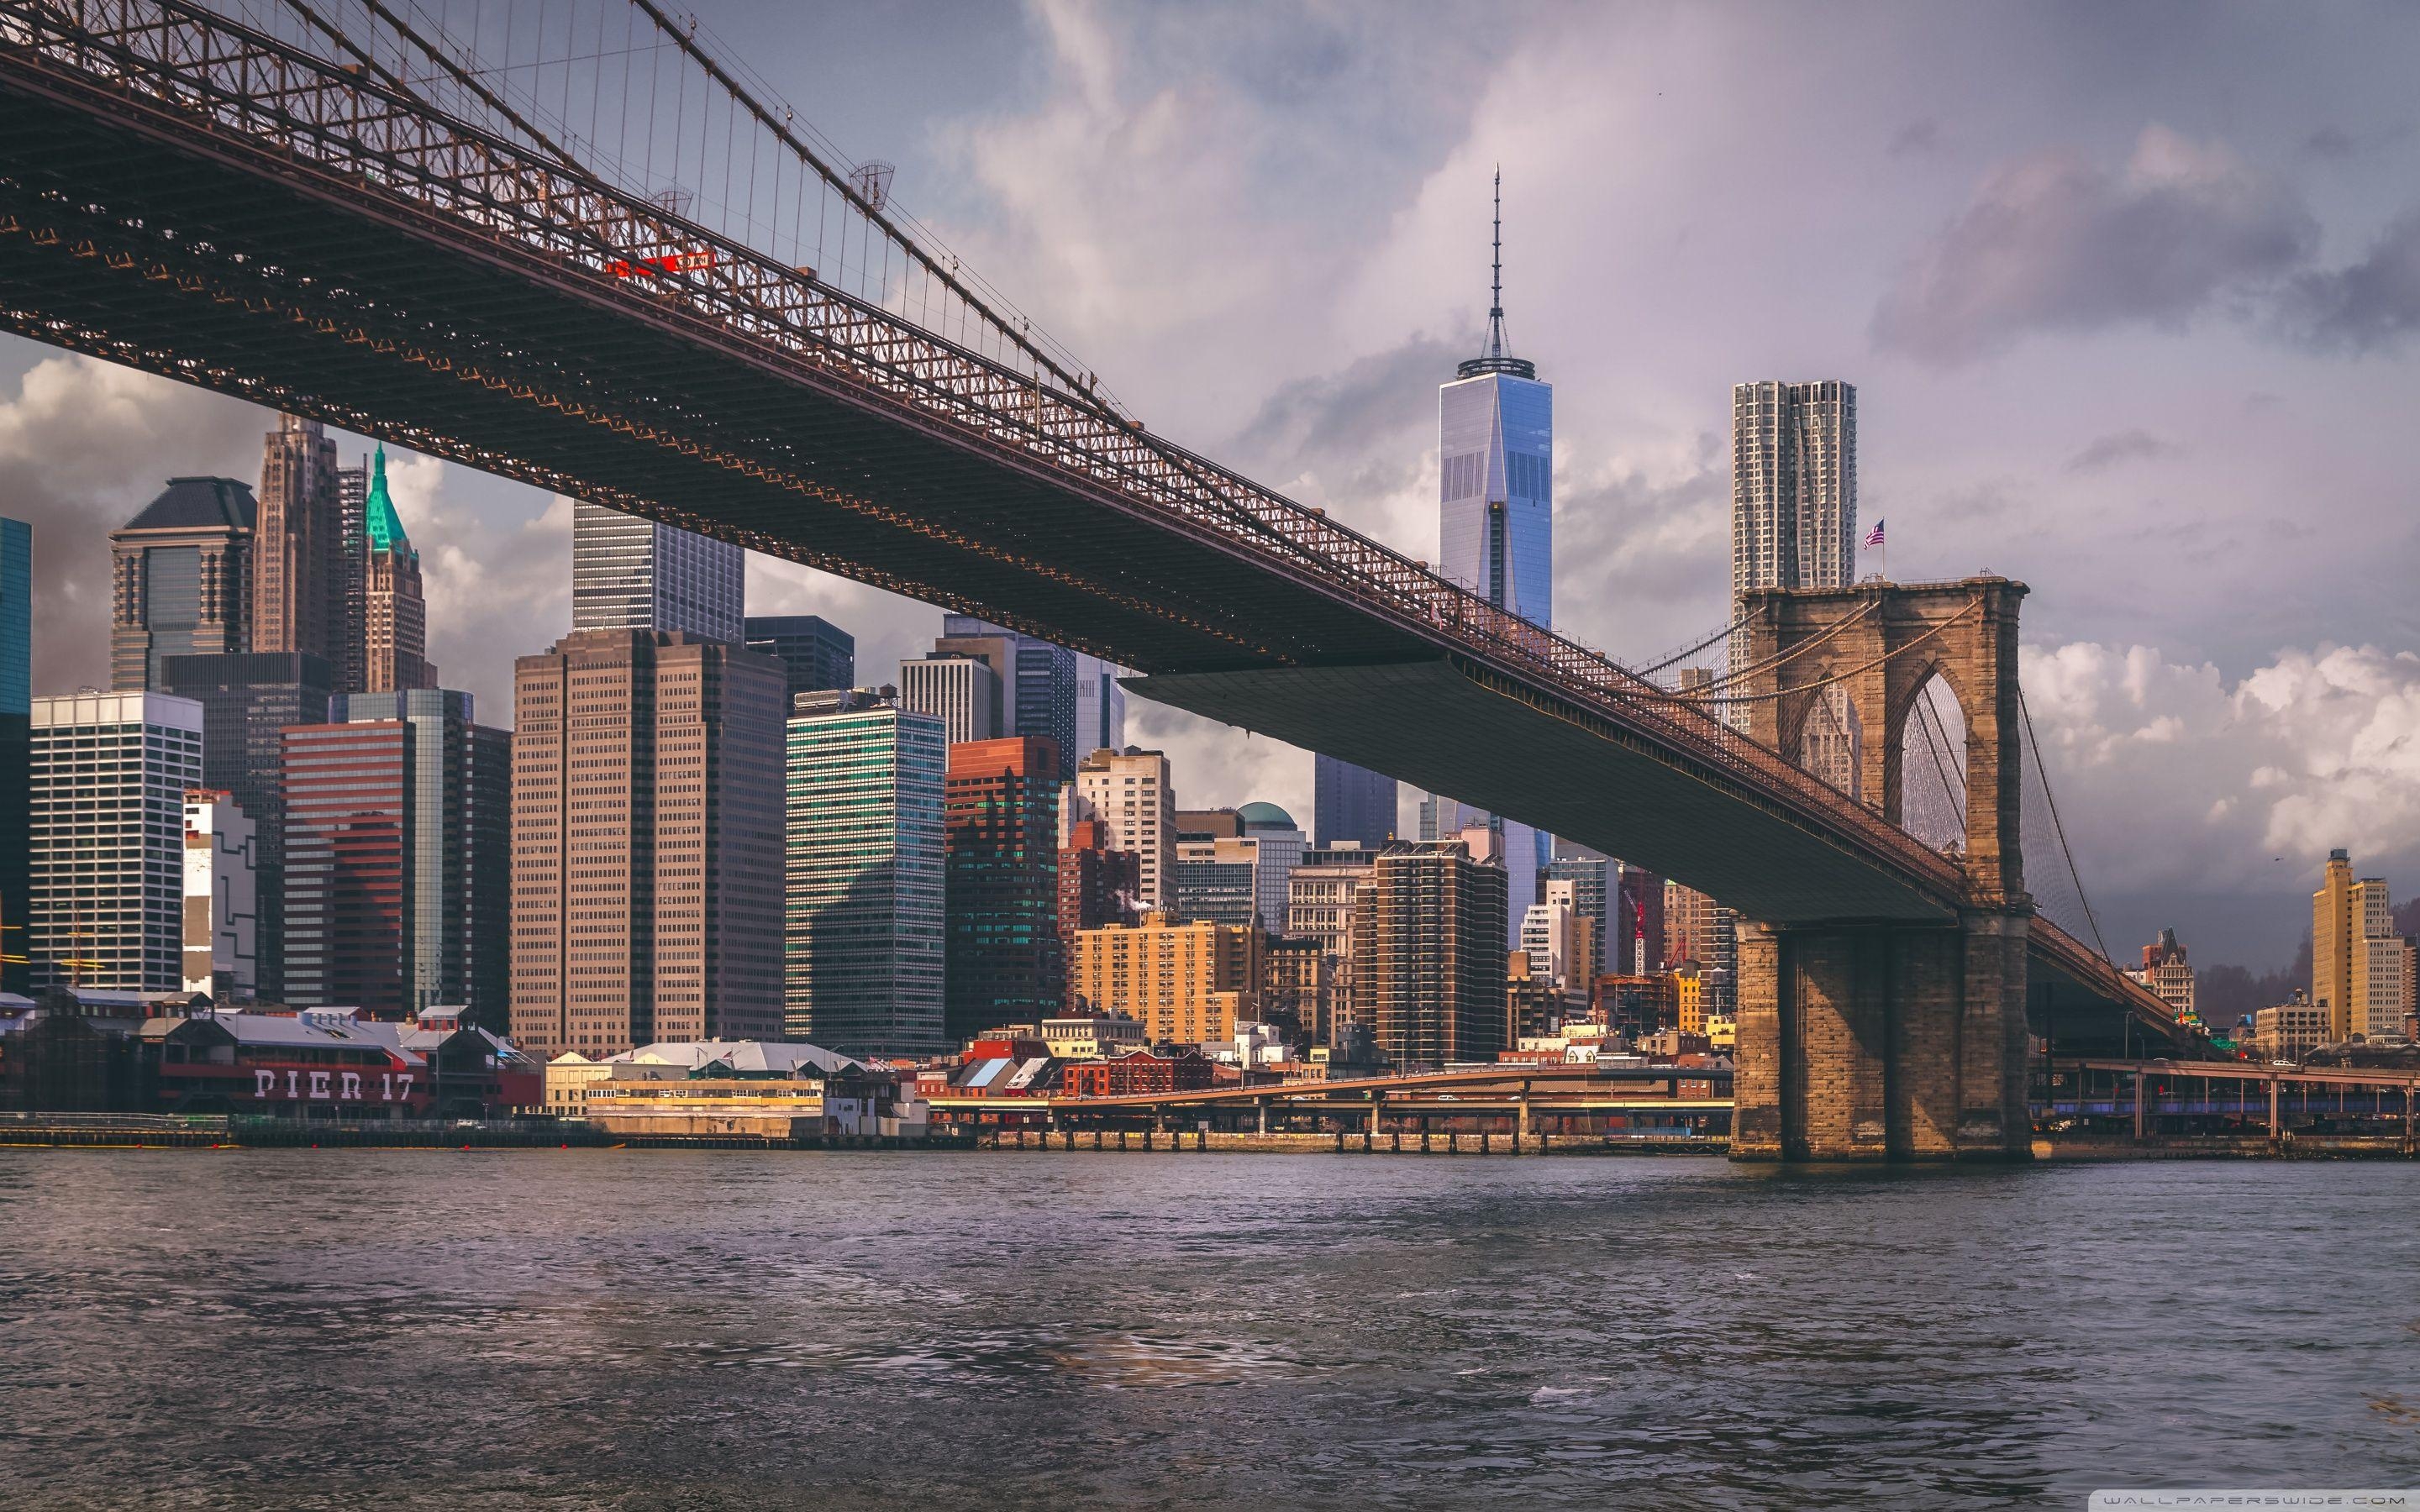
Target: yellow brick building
<point>1188,983</point>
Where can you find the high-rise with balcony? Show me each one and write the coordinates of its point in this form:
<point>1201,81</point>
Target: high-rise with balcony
<point>1429,954</point>
<point>646,842</point>
<point>106,898</point>
<point>180,579</point>
<point>1794,525</point>
<point>630,573</point>
<point>866,948</point>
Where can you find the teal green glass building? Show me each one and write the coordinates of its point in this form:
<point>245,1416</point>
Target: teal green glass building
<point>865,942</point>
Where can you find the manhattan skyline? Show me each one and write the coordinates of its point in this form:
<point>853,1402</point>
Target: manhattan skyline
<point>2138,347</point>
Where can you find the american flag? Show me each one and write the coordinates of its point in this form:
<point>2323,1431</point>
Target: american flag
<point>1874,536</point>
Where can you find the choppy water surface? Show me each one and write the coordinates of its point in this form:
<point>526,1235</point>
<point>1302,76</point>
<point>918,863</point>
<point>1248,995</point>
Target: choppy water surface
<point>653,1328</point>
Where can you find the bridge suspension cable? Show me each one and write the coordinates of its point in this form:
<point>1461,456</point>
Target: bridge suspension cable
<point>1843,676</point>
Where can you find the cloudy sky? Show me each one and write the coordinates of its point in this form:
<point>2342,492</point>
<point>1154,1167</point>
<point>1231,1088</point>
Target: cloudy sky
<point>2131,296</point>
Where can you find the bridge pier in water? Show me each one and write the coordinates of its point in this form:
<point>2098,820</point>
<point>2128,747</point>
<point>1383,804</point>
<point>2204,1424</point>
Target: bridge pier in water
<point>1882,1042</point>
<point>1889,1039</point>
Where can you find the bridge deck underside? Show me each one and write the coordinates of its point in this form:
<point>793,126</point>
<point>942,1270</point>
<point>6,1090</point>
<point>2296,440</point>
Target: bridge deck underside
<point>1428,722</point>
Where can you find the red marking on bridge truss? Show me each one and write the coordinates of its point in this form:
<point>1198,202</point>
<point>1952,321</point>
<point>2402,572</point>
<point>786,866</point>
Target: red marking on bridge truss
<point>671,262</point>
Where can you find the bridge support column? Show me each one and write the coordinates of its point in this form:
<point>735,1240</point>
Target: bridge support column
<point>1872,1042</point>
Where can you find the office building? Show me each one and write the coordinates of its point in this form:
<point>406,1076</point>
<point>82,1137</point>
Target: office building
<point>1429,954</point>
<point>1132,794</point>
<point>1278,846</point>
<point>106,897</point>
<point>1100,708</point>
<point>1350,803</point>
<point>2292,1029</point>
<point>961,691</point>
<point>1188,983</point>
<point>347,935</point>
<point>222,898</point>
<point>16,744</point>
<point>820,655</point>
<point>1320,895</point>
<point>1689,927</point>
<point>1794,525</point>
<point>647,821</point>
<point>1039,682</point>
<point>1533,1003</point>
<point>2168,972</point>
<point>393,616</point>
<point>1300,987</point>
<point>398,859</point>
<point>248,699</point>
<point>1591,876</point>
<point>2357,959</point>
<point>300,571</point>
<point>181,578</point>
<point>1098,884</point>
<point>1638,922</point>
<point>1218,878</point>
<point>353,545</point>
<point>866,930</point>
<point>1000,834</point>
<point>628,572</point>
<point>1496,428</point>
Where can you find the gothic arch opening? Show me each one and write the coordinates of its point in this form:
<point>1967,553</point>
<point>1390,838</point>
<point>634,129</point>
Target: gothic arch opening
<point>1933,767</point>
<point>1831,743</point>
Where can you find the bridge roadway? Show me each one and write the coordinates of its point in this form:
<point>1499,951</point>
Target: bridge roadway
<point>183,194</point>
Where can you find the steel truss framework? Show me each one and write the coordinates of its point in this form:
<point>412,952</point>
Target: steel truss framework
<point>186,195</point>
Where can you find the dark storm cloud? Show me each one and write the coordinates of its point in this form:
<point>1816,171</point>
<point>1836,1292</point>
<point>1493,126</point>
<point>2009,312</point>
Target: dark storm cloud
<point>2053,241</point>
<point>1346,414</point>
<point>1915,138</point>
<point>2105,452</point>
<point>2367,306</point>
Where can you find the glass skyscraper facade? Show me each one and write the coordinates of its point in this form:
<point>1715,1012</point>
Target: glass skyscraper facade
<point>456,854</point>
<point>631,574</point>
<point>1041,691</point>
<point>864,934</point>
<point>1348,802</point>
<point>819,655</point>
<point>1496,438</point>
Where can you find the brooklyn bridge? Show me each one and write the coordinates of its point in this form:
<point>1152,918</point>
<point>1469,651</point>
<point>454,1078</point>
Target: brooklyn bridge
<point>587,253</point>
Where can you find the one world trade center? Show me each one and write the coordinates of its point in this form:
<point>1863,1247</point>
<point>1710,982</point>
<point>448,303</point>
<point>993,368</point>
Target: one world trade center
<point>1495,446</point>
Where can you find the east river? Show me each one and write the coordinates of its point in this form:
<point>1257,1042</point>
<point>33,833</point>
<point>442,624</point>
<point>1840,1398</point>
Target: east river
<point>651,1329</point>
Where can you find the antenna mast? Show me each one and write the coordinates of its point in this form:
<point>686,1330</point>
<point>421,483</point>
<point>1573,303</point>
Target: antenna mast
<point>1494,360</point>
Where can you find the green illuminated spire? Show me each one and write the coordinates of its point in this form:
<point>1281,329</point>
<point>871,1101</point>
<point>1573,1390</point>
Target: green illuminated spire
<point>385,529</point>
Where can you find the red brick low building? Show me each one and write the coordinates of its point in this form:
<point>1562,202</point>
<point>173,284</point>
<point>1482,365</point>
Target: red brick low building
<point>1138,1074</point>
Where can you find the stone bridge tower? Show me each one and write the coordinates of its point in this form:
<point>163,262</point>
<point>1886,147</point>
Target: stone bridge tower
<point>1861,1040</point>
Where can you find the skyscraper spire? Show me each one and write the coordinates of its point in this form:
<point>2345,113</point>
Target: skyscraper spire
<point>1495,359</point>
<point>1495,274</point>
